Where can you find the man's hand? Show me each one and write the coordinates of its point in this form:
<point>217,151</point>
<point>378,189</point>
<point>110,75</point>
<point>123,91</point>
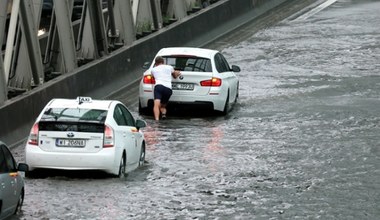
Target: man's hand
<point>176,73</point>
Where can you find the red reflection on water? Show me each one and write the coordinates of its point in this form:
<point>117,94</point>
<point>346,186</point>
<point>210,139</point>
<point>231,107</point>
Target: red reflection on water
<point>214,153</point>
<point>151,134</point>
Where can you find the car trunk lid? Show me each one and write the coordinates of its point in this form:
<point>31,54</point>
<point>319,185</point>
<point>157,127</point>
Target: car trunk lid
<point>73,137</point>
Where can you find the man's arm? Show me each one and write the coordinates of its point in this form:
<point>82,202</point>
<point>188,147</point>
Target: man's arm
<point>176,73</point>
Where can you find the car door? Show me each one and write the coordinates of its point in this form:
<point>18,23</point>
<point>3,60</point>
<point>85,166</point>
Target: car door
<point>227,74</point>
<point>131,123</point>
<point>125,134</point>
<point>8,183</point>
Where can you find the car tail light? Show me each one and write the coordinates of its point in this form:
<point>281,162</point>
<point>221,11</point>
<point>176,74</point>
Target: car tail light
<point>212,82</point>
<point>108,137</point>
<point>33,136</point>
<point>149,79</point>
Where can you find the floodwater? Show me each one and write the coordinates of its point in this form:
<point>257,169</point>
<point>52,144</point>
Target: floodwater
<point>301,143</point>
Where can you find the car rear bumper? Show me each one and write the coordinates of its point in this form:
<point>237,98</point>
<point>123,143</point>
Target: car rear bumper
<point>104,160</point>
<point>210,102</point>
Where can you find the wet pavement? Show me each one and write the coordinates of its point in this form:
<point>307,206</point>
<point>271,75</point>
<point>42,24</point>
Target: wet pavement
<point>301,143</point>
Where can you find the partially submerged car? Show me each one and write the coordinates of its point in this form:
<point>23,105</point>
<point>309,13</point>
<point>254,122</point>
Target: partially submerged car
<point>12,189</point>
<point>206,79</point>
<point>86,134</point>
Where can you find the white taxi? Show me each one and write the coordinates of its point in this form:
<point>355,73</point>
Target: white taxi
<point>86,134</point>
<point>206,79</point>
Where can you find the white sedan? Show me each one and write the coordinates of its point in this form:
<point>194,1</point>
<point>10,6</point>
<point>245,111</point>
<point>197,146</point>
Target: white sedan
<point>206,79</point>
<point>86,134</point>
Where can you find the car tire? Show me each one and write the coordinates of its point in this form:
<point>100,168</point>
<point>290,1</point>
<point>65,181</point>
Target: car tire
<point>30,174</point>
<point>122,167</point>
<point>20,203</point>
<point>142,111</point>
<point>237,93</point>
<point>142,156</point>
<point>227,105</point>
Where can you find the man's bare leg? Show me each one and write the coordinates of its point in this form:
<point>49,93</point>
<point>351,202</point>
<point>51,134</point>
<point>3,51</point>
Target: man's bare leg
<point>163,109</point>
<point>156,109</point>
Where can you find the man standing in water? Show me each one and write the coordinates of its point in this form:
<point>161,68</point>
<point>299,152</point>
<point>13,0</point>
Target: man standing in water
<point>163,75</point>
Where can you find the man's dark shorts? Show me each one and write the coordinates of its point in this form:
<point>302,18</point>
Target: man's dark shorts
<point>162,93</point>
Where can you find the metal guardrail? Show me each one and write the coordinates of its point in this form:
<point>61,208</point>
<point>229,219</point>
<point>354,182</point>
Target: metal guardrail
<point>79,32</point>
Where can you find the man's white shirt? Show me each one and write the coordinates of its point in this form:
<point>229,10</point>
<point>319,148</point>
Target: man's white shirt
<point>163,75</point>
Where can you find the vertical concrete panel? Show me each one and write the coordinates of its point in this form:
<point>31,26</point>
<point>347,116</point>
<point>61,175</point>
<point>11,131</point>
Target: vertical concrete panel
<point>86,43</point>
<point>3,84</point>
<point>66,34</point>
<point>124,22</point>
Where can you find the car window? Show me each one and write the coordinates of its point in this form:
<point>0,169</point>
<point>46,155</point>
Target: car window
<point>128,116</point>
<point>7,163</point>
<point>118,116</point>
<point>74,114</point>
<point>3,163</point>
<point>11,163</point>
<point>221,63</point>
<point>189,63</point>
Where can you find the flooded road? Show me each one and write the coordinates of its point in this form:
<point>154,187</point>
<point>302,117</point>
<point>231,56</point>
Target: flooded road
<point>301,143</point>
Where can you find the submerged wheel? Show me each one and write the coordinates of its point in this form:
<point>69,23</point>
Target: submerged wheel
<point>227,105</point>
<point>31,174</point>
<point>19,203</point>
<point>142,111</point>
<point>142,156</point>
<point>122,168</point>
<point>237,93</point>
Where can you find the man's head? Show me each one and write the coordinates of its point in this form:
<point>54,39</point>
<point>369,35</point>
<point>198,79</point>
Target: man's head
<point>159,60</point>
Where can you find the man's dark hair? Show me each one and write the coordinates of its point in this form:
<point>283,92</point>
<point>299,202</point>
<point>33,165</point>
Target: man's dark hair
<point>159,60</point>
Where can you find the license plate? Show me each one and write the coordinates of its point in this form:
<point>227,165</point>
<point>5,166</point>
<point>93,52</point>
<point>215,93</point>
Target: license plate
<point>70,143</point>
<point>182,86</point>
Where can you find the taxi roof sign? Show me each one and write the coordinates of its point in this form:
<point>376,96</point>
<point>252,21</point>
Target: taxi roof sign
<point>81,99</point>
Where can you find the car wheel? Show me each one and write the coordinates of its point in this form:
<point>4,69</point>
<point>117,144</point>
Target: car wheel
<point>142,111</point>
<point>227,105</point>
<point>19,203</point>
<point>122,168</point>
<point>30,174</point>
<point>142,156</point>
<point>237,93</point>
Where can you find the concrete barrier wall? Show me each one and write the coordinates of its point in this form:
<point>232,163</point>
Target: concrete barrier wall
<point>18,114</point>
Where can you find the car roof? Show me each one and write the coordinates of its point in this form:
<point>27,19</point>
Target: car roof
<point>74,103</point>
<point>191,51</point>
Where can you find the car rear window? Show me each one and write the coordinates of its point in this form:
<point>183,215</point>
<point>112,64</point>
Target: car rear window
<point>189,63</point>
<point>71,126</point>
<point>74,115</point>
<point>73,119</point>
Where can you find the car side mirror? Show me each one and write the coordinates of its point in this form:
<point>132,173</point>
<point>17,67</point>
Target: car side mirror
<point>146,65</point>
<point>140,124</point>
<point>23,167</point>
<point>235,68</point>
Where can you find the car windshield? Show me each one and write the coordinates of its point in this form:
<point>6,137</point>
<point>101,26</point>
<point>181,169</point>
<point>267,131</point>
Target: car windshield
<point>189,63</point>
<point>74,114</point>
